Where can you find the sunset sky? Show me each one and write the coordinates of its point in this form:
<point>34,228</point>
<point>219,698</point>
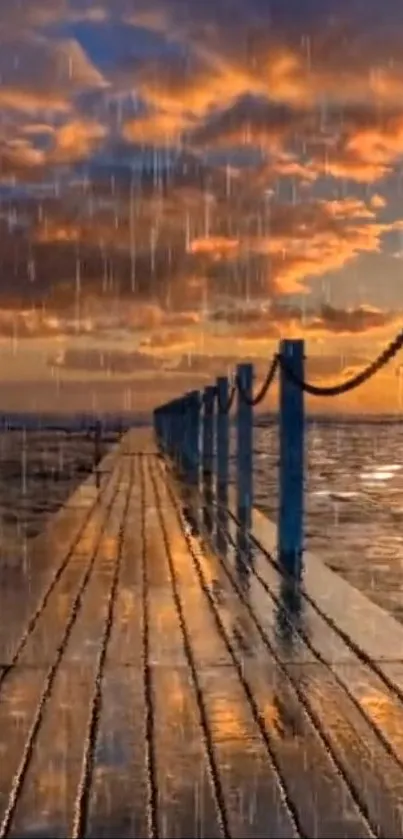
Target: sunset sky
<point>184,182</point>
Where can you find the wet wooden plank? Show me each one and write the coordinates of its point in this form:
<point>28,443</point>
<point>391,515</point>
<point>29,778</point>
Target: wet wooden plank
<point>50,778</point>
<point>43,641</point>
<point>378,635</point>
<point>379,704</point>
<point>230,729</point>
<point>304,765</point>
<point>20,695</point>
<point>46,802</point>
<point>185,798</point>
<point>251,787</point>
<point>374,772</point>
<point>166,642</point>
<point>288,619</point>
<point>24,589</point>
<point>118,803</point>
<point>185,802</point>
<point>125,645</point>
<point>379,799</point>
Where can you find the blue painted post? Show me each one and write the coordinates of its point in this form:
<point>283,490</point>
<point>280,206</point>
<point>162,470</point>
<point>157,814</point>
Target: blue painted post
<point>193,436</point>
<point>290,525</point>
<point>209,394</point>
<point>178,433</point>
<point>222,462</point>
<point>157,426</point>
<point>180,430</point>
<point>155,423</point>
<point>184,429</point>
<point>171,428</point>
<point>168,409</point>
<point>164,428</point>
<point>244,455</point>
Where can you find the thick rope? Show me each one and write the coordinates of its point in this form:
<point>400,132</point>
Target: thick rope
<point>343,387</point>
<point>260,395</point>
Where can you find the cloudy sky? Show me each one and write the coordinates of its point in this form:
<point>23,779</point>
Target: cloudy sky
<point>183,182</point>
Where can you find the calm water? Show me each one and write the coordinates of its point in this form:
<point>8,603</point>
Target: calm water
<point>38,471</point>
<point>354,494</point>
<point>353,501</point>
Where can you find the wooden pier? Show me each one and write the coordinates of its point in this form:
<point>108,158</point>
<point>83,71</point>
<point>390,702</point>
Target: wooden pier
<point>151,686</point>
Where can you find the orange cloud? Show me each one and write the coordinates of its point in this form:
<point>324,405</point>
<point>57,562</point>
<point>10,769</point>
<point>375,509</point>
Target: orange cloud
<point>76,139</point>
<point>159,128</point>
<point>305,240</point>
<point>217,246</point>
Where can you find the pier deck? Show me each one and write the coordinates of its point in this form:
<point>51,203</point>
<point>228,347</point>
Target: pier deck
<point>149,688</point>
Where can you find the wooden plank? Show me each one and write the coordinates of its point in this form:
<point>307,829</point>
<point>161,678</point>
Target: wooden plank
<point>252,791</point>
<point>118,804</point>
<point>49,774</point>
<point>125,645</point>
<point>372,630</point>
<point>380,705</point>
<point>119,796</point>
<point>44,639</point>
<point>20,695</point>
<point>45,804</point>
<point>166,641</point>
<point>385,813</point>
<point>139,441</point>
<point>224,728</point>
<point>184,800</point>
<point>26,587</point>
<point>307,771</point>
<point>375,773</point>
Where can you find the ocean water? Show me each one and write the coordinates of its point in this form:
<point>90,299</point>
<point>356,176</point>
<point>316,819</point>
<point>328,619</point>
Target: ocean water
<point>353,500</point>
<point>39,470</point>
<point>353,493</point>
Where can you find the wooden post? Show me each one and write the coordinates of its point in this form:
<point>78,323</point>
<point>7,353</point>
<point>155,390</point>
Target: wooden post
<point>290,525</point>
<point>208,454</point>
<point>222,463</point>
<point>244,454</point>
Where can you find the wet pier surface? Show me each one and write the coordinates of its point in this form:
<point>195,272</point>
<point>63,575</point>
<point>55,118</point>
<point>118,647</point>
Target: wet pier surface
<point>149,688</point>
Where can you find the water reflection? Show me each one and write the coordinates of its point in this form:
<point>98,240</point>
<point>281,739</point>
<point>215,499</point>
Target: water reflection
<point>243,554</point>
<point>207,501</point>
<point>222,529</point>
<point>289,615</point>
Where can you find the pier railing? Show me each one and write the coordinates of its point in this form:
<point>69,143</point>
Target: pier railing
<point>193,431</point>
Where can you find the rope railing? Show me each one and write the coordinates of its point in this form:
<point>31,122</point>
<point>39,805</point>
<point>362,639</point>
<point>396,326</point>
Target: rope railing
<point>264,389</point>
<point>355,381</point>
<point>225,407</point>
<point>194,432</point>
